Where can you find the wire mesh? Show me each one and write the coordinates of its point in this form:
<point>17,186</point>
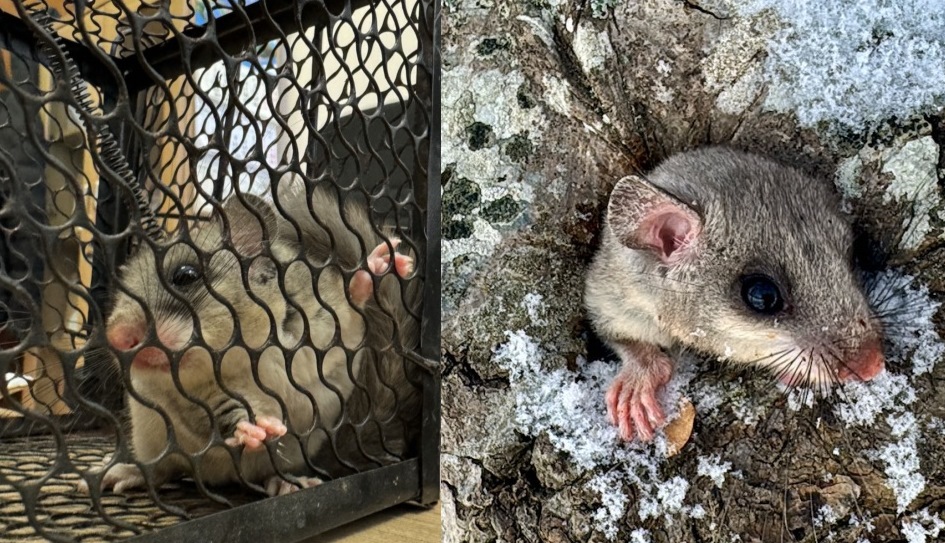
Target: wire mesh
<point>215,276</point>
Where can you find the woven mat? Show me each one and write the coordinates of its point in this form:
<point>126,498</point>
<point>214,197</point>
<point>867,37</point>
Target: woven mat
<point>36,471</point>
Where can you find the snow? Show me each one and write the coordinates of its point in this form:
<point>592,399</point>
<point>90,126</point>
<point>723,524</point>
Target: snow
<point>714,468</point>
<point>798,397</point>
<point>825,516</point>
<point>921,526</point>
<point>568,408</point>
<point>614,504</point>
<point>903,472</point>
<point>910,327</point>
<point>830,56</point>
<point>861,403</point>
<point>910,330</point>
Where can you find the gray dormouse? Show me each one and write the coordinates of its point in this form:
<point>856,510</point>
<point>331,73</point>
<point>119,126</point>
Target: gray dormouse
<point>734,256</point>
<point>310,327</point>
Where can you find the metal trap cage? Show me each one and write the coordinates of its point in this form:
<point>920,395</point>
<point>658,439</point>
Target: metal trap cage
<point>219,270</point>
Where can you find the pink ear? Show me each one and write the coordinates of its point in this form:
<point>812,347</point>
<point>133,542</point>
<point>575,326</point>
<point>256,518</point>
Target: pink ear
<point>645,217</point>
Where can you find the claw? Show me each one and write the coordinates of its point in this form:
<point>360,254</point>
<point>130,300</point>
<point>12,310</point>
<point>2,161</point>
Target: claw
<point>252,436</point>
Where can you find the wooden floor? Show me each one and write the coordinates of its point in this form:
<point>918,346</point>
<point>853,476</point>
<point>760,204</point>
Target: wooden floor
<point>401,524</point>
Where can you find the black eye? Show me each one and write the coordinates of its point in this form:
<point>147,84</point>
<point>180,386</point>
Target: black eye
<point>760,293</point>
<point>184,275</point>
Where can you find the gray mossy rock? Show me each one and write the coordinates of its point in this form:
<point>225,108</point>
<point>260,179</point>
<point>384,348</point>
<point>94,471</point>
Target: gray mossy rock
<point>545,107</point>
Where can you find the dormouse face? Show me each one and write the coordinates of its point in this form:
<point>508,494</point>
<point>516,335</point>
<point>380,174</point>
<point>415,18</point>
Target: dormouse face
<point>198,298</point>
<point>760,262</point>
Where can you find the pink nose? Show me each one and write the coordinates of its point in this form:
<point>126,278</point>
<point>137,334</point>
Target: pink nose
<point>123,337</point>
<point>867,363</point>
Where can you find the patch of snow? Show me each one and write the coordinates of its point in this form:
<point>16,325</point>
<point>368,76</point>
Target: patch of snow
<point>921,526</point>
<point>798,397</point>
<point>825,516</point>
<point>909,311</point>
<point>714,468</point>
<point>818,62</point>
<point>614,504</point>
<point>903,472</point>
<point>640,535</point>
<point>861,403</point>
<point>568,407</point>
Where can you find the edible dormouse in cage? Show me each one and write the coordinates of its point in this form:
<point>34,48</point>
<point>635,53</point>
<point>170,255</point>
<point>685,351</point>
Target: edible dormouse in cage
<point>216,275</point>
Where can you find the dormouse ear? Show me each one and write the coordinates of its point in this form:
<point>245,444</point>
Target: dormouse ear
<point>645,217</point>
<point>246,230</point>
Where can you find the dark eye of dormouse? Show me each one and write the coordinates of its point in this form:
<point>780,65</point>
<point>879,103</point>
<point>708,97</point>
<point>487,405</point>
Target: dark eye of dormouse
<point>761,294</point>
<point>184,275</point>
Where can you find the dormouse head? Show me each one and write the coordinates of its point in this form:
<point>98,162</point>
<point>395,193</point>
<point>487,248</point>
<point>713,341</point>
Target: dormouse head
<point>751,262</point>
<point>195,287</point>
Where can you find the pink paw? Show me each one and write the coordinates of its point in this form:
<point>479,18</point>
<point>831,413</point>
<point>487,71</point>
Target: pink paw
<point>631,399</point>
<point>251,436</point>
<point>277,486</point>
<point>362,286</point>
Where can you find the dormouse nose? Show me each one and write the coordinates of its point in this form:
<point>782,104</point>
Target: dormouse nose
<point>123,337</point>
<point>866,364</point>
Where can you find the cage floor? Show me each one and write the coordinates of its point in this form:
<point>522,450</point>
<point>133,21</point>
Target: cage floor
<point>31,474</point>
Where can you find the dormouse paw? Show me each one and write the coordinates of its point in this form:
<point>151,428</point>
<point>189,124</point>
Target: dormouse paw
<point>120,478</point>
<point>361,285</point>
<point>252,436</point>
<point>277,486</point>
<point>631,399</point>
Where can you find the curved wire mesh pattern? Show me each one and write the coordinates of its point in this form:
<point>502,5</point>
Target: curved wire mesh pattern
<point>216,231</point>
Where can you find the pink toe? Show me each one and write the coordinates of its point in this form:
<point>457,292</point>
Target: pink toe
<point>403,265</point>
<point>641,422</point>
<point>273,426</point>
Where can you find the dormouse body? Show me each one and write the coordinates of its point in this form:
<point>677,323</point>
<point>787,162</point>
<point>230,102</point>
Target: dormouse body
<point>295,293</point>
<point>735,256</point>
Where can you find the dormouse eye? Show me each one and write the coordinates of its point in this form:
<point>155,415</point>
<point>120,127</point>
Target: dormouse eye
<point>184,275</point>
<point>760,293</point>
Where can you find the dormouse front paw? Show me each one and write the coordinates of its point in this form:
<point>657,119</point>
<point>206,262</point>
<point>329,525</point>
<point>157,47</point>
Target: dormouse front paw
<point>252,436</point>
<point>277,486</point>
<point>120,478</point>
<point>361,285</point>
<point>631,400</point>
